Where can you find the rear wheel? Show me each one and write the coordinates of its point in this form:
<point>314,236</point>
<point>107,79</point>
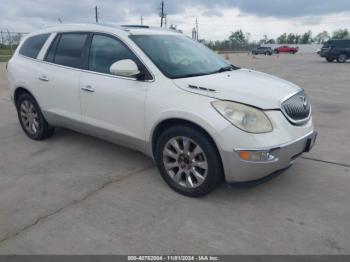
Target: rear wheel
<point>188,161</point>
<point>329,59</point>
<point>341,58</point>
<point>31,118</point>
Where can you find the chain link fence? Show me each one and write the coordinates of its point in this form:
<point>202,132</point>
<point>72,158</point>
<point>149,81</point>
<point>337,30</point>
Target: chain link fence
<point>8,43</point>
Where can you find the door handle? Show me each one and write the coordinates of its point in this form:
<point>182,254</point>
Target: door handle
<point>44,78</point>
<point>88,89</point>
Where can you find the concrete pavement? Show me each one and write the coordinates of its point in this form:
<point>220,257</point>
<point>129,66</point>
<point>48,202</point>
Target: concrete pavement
<point>75,194</point>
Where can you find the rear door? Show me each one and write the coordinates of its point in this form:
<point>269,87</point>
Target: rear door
<point>61,76</point>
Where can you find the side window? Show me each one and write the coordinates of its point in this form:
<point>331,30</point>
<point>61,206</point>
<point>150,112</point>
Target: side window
<point>69,51</point>
<point>50,55</point>
<point>32,46</point>
<point>105,51</point>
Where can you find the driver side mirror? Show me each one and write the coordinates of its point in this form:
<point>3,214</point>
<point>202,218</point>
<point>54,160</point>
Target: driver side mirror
<point>126,68</point>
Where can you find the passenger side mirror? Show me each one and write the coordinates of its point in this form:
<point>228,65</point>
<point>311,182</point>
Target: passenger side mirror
<point>126,68</point>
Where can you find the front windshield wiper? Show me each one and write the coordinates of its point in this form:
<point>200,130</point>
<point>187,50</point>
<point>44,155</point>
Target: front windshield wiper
<point>226,68</point>
<point>222,69</point>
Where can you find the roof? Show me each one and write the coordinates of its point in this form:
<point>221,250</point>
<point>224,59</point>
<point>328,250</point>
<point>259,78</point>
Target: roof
<point>107,28</point>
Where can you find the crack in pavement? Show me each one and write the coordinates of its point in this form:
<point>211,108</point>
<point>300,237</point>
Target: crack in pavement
<point>112,181</point>
<point>74,202</point>
<point>326,162</point>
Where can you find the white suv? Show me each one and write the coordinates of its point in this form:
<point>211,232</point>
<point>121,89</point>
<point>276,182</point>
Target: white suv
<point>157,91</point>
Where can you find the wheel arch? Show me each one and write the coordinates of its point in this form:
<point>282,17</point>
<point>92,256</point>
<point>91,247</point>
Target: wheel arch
<point>167,123</point>
<point>19,91</point>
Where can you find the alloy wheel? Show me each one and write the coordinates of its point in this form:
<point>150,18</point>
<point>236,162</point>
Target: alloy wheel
<point>185,162</point>
<point>29,117</point>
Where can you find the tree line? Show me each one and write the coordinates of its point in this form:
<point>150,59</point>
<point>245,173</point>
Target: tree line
<point>239,40</point>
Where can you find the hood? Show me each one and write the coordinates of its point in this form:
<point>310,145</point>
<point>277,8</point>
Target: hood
<point>242,85</point>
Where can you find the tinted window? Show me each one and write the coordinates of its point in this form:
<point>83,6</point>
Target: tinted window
<point>69,51</point>
<point>50,55</point>
<point>343,43</point>
<point>33,45</point>
<point>105,51</point>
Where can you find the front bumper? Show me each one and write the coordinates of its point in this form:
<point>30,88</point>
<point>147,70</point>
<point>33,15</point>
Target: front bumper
<point>238,170</point>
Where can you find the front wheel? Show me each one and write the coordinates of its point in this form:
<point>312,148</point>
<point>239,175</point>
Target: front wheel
<point>329,59</point>
<point>31,118</point>
<point>188,161</point>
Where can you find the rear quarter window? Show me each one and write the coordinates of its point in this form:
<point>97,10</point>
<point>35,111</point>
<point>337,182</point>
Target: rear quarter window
<point>32,46</point>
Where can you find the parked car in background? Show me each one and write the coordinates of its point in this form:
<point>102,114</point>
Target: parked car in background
<point>336,50</point>
<point>286,49</point>
<point>202,119</point>
<point>262,51</point>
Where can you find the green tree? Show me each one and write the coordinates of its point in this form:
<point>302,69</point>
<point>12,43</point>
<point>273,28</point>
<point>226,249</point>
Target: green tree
<point>264,40</point>
<point>282,39</point>
<point>291,38</point>
<point>306,38</point>
<point>322,37</point>
<point>341,34</point>
<point>238,38</point>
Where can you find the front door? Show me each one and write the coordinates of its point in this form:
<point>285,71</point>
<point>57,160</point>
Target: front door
<point>112,104</point>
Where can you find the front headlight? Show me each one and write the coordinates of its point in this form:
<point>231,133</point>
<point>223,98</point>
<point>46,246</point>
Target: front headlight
<point>244,117</point>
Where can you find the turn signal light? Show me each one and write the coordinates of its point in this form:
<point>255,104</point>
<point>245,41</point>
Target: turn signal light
<point>256,156</point>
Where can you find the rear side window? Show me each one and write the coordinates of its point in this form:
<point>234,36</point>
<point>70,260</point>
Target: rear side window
<point>50,55</point>
<point>32,46</point>
<point>68,50</point>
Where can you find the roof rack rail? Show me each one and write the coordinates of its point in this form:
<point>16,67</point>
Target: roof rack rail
<point>136,26</point>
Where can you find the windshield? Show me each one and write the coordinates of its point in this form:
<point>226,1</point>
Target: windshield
<point>178,56</point>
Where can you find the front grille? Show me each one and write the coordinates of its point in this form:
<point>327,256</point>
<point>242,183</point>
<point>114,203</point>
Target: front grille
<point>297,108</point>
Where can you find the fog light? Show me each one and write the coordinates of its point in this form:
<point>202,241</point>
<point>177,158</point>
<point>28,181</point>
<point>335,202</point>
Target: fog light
<point>256,156</point>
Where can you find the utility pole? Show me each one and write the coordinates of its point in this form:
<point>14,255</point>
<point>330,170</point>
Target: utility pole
<point>162,14</point>
<point>96,14</point>
<point>197,34</point>
<point>141,20</point>
<point>2,38</point>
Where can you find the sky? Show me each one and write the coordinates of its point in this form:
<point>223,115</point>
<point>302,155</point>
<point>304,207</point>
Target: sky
<point>217,18</point>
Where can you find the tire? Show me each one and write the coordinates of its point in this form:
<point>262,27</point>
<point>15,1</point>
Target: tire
<point>329,59</point>
<point>341,58</point>
<point>179,174</point>
<point>31,118</point>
